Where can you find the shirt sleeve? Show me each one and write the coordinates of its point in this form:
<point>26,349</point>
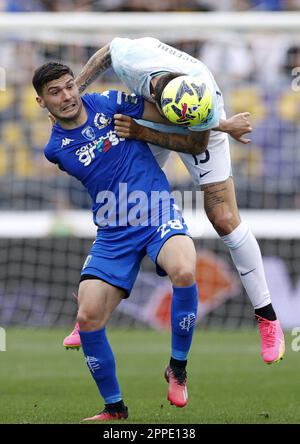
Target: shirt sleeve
<point>118,102</point>
<point>118,48</point>
<point>130,104</point>
<point>126,51</point>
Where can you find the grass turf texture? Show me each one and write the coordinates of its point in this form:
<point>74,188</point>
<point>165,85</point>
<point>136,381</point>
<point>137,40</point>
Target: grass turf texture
<point>40,382</point>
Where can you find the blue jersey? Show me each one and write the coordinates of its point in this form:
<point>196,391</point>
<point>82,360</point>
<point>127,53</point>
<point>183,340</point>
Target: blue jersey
<point>117,173</point>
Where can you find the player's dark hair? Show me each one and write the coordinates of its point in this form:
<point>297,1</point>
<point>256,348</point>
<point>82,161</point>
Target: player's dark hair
<point>162,83</point>
<point>47,72</point>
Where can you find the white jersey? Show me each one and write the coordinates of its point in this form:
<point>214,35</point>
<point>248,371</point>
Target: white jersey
<point>136,61</point>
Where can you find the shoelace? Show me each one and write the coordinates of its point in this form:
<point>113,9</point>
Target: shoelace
<point>268,330</point>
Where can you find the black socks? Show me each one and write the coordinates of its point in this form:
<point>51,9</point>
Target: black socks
<point>266,312</point>
<point>115,407</point>
<point>177,363</point>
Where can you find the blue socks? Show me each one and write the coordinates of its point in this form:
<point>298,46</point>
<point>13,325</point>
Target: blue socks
<point>183,317</point>
<point>99,356</point>
<point>101,363</point>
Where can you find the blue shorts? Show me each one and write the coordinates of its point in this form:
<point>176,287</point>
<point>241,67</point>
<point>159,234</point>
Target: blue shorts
<point>116,254</point>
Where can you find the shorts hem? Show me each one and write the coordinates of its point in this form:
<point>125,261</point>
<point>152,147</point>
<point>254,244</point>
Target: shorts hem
<point>211,181</point>
<point>88,276</point>
<point>160,271</point>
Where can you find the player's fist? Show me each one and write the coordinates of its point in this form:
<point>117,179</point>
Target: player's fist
<point>126,127</point>
<point>237,126</point>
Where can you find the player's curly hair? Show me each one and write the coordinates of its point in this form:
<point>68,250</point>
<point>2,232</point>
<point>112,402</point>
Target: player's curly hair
<point>162,83</point>
<point>47,72</point>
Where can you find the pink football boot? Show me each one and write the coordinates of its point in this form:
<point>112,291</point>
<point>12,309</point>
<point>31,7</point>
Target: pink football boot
<point>177,391</point>
<point>272,340</point>
<point>107,415</point>
<point>73,340</point>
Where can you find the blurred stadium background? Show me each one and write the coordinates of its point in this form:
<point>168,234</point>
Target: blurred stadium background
<point>253,49</point>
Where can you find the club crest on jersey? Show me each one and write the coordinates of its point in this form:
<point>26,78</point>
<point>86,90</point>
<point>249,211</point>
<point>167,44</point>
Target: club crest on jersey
<point>101,121</point>
<point>88,133</point>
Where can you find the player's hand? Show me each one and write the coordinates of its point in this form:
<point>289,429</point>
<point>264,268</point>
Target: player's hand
<point>126,127</point>
<point>239,125</point>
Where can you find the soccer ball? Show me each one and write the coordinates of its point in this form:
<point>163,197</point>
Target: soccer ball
<point>187,101</point>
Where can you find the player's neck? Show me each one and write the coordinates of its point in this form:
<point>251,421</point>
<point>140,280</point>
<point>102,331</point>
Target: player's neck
<point>77,121</point>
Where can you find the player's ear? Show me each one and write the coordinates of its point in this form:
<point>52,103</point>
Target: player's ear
<point>40,101</point>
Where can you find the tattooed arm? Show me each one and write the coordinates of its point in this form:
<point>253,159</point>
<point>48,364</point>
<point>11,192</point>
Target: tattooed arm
<point>96,65</point>
<point>192,143</point>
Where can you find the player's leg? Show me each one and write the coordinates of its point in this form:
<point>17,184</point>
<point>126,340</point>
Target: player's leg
<point>221,209</point>
<point>177,258</point>
<point>212,171</point>
<point>107,277</point>
<point>97,301</point>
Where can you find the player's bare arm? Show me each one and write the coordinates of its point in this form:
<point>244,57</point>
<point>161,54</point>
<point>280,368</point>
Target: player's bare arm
<point>95,66</point>
<point>194,143</point>
<point>236,126</point>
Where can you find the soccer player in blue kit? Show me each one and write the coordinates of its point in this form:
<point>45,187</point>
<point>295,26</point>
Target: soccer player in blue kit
<point>85,145</point>
<point>148,67</point>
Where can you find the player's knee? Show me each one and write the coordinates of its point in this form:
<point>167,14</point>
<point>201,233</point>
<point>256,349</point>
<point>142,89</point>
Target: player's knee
<point>223,221</point>
<point>88,321</point>
<point>182,275</point>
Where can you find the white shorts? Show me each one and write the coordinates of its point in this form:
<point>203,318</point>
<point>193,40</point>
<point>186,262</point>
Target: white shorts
<point>214,165</point>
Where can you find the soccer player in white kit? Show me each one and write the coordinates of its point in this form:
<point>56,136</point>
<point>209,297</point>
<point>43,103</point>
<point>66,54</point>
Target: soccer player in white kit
<point>146,66</point>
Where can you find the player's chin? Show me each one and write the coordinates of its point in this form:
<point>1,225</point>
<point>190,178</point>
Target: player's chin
<point>69,112</point>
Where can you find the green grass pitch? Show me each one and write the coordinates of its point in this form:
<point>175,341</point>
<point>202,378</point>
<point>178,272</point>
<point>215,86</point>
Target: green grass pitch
<point>40,382</point>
